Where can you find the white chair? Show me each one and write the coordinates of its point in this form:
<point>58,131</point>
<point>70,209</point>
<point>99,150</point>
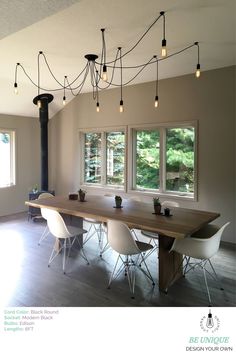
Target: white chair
<point>96,228</point>
<point>130,251</point>
<point>201,247</point>
<point>65,236</point>
<point>46,231</point>
<point>105,247</point>
<point>152,237</point>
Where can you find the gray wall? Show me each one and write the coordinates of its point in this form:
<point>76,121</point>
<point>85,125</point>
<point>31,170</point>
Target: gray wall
<point>210,100</point>
<point>12,199</point>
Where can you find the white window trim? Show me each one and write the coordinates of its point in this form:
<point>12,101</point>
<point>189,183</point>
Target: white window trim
<point>131,160</point>
<point>12,134</point>
<point>102,185</point>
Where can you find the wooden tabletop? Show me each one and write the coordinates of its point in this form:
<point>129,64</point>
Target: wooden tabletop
<point>182,223</point>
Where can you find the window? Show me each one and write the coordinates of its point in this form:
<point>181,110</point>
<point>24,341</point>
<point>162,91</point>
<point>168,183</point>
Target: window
<point>180,160</point>
<point>104,158</point>
<point>7,158</point>
<point>93,161</point>
<point>164,159</point>
<point>147,158</point>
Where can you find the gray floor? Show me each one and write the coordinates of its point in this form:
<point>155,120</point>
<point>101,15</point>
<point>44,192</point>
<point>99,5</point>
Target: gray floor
<point>27,280</point>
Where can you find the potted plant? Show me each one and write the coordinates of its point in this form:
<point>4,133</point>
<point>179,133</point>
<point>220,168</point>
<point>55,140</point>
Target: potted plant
<point>35,188</point>
<point>118,201</point>
<point>157,205</point>
<point>81,195</point>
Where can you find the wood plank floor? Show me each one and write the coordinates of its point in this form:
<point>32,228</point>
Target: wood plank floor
<point>26,279</point>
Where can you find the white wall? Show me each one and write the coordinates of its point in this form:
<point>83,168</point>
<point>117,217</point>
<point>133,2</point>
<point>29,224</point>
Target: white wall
<point>12,199</point>
<point>210,100</point>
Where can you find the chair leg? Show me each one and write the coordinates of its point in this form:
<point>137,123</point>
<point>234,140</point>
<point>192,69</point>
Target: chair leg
<point>130,271</point>
<point>64,256</point>
<point>83,255</point>
<point>44,235</point>
<point>216,276</point>
<point>113,272</point>
<point>104,249</point>
<point>147,272</point>
<point>147,254</point>
<point>54,253</point>
<point>205,278</point>
<point>186,265</point>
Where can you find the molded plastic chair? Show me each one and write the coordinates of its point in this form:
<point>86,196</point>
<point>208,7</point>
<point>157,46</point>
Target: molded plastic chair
<point>165,204</point>
<point>121,240</point>
<point>96,228</point>
<point>99,228</point>
<point>201,246</point>
<point>65,236</point>
<point>46,231</point>
<point>152,237</point>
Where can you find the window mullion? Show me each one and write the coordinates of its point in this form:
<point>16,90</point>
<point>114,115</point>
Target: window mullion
<point>82,157</point>
<point>104,159</point>
<point>134,152</point>
<point>162,170</point>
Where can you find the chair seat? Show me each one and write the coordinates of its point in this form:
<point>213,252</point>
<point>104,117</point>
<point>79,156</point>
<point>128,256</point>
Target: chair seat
<point>143,246</point>
<point>206,232</point>
<point>92,221</point>
<point>75,231</point>
<point>149,234</point>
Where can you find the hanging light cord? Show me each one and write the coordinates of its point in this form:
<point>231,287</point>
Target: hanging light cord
<point>137,43</point>
<point>157,78</point>
<point>121,75</point>
<point>95,67</point>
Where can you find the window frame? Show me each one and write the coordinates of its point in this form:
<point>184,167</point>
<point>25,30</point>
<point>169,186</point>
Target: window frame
<point>161,127</point>
<point>103,132</point>
<point>12,134</point>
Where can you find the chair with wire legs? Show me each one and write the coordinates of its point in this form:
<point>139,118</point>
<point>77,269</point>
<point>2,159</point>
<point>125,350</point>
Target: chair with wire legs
<point>95,228</point>
<point>198,251</point>
<point>46,231</point>
<point>129,251</point>
<point>106,246</point>
<point>65,237</point>
<point>152,237</point>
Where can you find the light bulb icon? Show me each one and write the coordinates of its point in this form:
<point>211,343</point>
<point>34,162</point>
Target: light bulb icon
<point>210,322</point>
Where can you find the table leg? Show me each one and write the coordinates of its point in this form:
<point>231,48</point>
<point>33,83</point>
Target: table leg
<point>170,268</point>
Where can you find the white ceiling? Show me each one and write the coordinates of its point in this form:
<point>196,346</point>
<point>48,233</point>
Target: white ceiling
<point>67,30</point>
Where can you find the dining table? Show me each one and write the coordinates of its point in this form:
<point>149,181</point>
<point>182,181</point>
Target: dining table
<point>182,222</point>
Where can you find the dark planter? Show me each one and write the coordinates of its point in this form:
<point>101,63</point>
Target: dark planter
<point>82,197</point>
<point>157,209</point>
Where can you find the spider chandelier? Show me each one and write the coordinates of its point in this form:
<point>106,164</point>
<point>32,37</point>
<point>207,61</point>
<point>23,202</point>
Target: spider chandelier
<point>102,72</point>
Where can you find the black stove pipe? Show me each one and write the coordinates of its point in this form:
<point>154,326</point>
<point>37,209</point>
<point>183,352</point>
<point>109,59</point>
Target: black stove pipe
<point>42,101</point>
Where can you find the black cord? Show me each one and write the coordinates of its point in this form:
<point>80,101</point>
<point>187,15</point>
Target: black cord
<point>157,80</point>
<point>137,43</point>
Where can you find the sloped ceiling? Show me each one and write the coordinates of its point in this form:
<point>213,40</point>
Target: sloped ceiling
<point>67,30</point>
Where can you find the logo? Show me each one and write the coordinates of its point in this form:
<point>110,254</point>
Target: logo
<point>210,323</point>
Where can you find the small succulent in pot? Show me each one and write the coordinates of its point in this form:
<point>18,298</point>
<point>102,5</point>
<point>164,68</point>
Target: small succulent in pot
<point>118,201</point>
<point>157,205</point>
<point>81,195</point>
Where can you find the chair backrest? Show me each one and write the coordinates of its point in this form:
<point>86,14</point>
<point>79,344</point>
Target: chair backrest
<point>208,247</point>
<point>169,204</point>
<point>45,195</point>
<point>201,248</point>
<point>120,238</point>
<point>56,223</point>
<point>42,196</point>
<point>135,198</point>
